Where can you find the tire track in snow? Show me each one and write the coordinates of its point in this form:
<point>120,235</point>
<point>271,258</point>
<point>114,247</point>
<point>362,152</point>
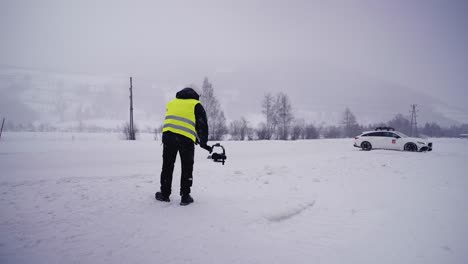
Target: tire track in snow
<point>286,215</point>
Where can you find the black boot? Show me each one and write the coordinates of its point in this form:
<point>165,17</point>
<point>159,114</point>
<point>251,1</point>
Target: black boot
<point>161,197</point>
<point>186,199</point>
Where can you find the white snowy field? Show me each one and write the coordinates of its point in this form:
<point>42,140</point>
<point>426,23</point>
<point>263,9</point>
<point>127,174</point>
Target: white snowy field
<point>89,198</point>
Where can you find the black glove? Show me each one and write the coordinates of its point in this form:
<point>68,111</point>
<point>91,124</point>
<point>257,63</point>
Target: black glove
<point>205,146</point>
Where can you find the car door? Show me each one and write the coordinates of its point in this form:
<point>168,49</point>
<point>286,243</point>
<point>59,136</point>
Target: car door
<point>390,140</point>
<point>383,140</point>
<point>398,142</point>
<point>375,138</point>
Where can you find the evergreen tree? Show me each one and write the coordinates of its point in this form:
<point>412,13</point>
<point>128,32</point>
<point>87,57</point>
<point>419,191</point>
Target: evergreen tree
<point>432,130</point>
<point>400,123</point>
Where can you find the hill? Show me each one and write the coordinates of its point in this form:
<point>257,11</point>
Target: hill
<point>318,93</point>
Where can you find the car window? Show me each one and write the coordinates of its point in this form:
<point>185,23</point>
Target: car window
<point>402,135</point>
<point>375,134</point>
<point>390,134</point>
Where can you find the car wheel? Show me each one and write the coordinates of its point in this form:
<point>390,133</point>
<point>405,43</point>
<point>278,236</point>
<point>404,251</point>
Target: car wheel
<point>366,146</point>
<point>410,147</point>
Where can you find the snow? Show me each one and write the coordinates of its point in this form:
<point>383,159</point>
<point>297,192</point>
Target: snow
<point>89,198</point>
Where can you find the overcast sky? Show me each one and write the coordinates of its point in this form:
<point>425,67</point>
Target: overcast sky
<point>419,44</point>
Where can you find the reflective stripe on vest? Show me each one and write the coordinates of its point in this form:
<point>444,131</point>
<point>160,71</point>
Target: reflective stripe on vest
<point>180,117</point>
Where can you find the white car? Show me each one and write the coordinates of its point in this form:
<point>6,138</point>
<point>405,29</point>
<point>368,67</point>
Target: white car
<point>388,138</point>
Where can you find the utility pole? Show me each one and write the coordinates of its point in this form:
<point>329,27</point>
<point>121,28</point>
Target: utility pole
<point>1,129</point>
<point>132,130</point>
<point>414,123</point>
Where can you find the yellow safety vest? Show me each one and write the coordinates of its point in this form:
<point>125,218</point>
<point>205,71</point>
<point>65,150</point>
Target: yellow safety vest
<point>180,117</point>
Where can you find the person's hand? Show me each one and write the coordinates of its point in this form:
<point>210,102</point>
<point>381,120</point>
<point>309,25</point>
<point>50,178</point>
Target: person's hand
<point>208,148</point>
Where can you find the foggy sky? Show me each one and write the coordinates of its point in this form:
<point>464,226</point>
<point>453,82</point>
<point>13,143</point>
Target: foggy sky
<point>418,44</point>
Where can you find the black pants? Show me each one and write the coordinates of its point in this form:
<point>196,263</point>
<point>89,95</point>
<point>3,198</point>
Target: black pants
<point>173,144</point>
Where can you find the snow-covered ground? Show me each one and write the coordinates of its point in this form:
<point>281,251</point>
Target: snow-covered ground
<point>89,198</point>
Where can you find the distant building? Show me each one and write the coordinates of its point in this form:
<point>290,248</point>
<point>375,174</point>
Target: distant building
<point>463,135</point>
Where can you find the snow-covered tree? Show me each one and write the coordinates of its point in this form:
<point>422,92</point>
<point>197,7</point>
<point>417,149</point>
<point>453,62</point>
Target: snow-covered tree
<point>128,132</point>
<point>400,123</point>
<point>271,116</point>
<point>278,115</point>
<point>239,129</point>
<point>284,114</point>
<point>332,132</point>
<point>310,132</point>
<point>262,132</point>
<point>350,125</point>
<point>297,131</point>
<point>216,119</point>
<point>432,130</point>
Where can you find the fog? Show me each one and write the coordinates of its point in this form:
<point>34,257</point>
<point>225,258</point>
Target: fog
<point>418,46</point>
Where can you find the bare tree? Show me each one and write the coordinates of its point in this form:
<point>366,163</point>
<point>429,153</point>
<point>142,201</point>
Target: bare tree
<point>216,119</point>
<point>332,132</point>
<point>234,130</point>
<point>350,125</point>
<point>301,130</point>
<point>244,128</point>
<point>129,132</point>
<point>250,133</point>
<point>311,132</point>
<point>285,116</point>
<point>219,127</point>
<point>239,129</point>
<point>262,132</point>
<point>268,109</point>
<point>297,131</point>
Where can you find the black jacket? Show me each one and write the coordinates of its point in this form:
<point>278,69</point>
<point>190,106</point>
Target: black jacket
<point>201,122</point>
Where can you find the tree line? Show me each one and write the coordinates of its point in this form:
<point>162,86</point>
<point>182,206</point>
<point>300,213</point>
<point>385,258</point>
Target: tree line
<point>281,124</point>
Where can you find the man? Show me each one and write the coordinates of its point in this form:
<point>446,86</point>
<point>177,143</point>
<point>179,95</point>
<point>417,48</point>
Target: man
<point>184,126</point>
